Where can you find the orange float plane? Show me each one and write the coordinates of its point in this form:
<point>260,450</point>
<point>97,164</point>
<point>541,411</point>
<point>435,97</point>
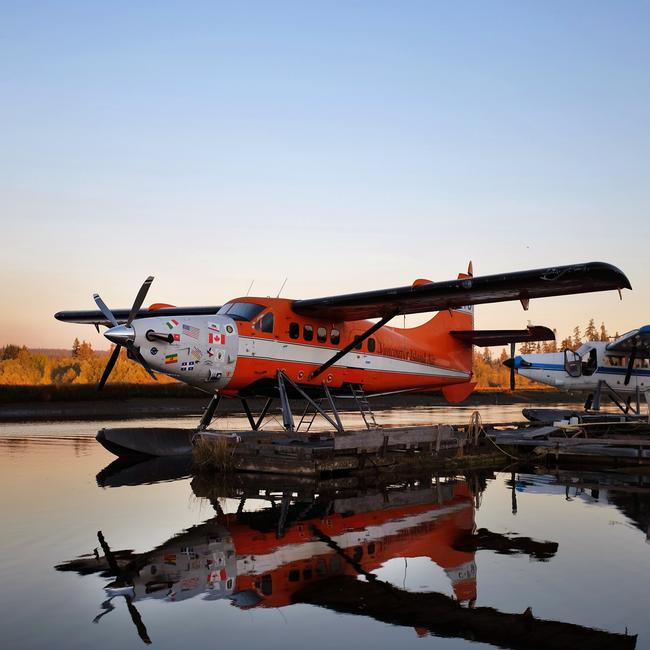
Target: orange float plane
<point>330,345</point>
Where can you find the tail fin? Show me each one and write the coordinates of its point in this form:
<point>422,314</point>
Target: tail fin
<point>435,336</point>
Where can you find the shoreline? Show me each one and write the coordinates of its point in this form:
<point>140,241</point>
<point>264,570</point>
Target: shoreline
<point>173,406</point>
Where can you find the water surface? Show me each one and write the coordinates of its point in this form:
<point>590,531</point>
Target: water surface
<point>269,562</point>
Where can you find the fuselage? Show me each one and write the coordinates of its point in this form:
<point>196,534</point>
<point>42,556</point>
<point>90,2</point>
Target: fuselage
<point>583,368</point>
<point>240,348</point>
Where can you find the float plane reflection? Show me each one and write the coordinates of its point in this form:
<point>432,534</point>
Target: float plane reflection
<point>300,550</point>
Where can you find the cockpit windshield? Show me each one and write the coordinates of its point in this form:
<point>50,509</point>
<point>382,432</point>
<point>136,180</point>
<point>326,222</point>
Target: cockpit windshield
<point>241,310</point>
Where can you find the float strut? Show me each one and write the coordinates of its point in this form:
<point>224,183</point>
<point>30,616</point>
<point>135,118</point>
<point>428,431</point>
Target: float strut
<point>209,412</point>
<point>287,415</point>
<point>255,424</point>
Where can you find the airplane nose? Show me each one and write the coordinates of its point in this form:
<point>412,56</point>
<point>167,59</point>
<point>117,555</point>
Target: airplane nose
<point>120,335</point>
<point>517,362</point>
<point>513,362</point>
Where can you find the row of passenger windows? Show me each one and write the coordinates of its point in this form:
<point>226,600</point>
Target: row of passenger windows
<point>322,335</point>
<point>622,361</point>
<point>320,569</point>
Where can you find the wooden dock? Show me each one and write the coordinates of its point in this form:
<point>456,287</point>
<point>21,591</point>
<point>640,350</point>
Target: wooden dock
<point>377,449</point>
<point>574,444</point>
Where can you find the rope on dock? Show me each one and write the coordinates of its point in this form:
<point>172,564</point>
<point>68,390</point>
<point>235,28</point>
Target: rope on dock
<point>475,429</point>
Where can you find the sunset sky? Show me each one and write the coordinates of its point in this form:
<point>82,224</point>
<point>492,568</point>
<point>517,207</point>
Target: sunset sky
<point>343,146</point>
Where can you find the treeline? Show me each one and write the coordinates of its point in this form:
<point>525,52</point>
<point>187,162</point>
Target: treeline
<point>20,366</point>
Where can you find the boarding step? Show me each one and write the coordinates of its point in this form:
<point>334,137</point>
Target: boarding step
<point>364,406</point>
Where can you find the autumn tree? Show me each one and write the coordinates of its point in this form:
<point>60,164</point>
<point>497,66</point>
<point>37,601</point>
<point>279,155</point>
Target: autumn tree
<point>577,340</point>
<point>603,333</point>
<point>591,333</point>
<point>10,351</point>
<point>85,351</point>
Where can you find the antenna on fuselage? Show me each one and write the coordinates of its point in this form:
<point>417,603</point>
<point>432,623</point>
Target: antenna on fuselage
<point>250,286</point>
<point>282,287</point>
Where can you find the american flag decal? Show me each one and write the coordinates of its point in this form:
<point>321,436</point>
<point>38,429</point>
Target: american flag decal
<point>192,331</point>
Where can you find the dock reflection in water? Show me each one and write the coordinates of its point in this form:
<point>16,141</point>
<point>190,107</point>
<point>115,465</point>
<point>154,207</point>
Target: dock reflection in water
<point>325,544</point>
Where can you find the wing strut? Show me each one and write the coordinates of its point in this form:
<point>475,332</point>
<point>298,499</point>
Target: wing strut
<point>350,346</point>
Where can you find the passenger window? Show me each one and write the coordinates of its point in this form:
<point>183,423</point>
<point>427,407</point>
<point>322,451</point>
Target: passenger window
<point>357,553</point>
<point>321,335</point>
<point>294,575</point>
<point>294,330</point>
<point>371,345</point>
<point>335,337</point>
<point>371,548</point>
<point>307,573</point>
<point>358,345</point>
<point>308,332</point>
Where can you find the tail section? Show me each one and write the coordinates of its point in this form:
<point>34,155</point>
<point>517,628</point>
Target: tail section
<point>434,336</point>
<point>449,351</point>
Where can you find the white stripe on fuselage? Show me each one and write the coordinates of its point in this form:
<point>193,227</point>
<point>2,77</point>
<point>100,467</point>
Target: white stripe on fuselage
<point>259,564</point>
<point>262,348</point>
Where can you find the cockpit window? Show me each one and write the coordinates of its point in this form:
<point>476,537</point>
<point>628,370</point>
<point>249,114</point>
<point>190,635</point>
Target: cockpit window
<point>241,310</point>
<point>265,324</point>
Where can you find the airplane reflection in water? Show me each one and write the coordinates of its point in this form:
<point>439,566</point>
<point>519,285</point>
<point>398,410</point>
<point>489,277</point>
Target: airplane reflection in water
<point>628,493</point>
<point>311,545</point>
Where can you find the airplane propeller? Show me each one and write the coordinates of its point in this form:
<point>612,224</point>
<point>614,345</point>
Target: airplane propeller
<point>511,364</point>
<point>123,335</point>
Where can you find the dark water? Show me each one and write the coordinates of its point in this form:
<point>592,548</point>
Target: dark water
<point>267,562</point>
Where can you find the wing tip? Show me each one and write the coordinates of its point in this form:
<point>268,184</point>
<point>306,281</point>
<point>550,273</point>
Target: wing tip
<point>611,273</point>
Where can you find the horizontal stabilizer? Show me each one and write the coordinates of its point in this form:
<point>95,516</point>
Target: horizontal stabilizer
<point>486,338</point>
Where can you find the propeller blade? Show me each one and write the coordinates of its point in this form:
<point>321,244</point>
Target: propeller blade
<point>109,367</point>
<point>141,360</point>
<point>139,299</point>
<point>511,365</point>
<point>630,365</point>
<point>105,310</point>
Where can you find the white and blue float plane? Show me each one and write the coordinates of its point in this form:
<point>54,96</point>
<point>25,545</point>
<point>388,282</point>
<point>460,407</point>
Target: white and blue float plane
<point>620,367</point>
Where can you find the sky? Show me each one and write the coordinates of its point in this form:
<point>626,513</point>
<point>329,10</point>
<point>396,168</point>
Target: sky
<point>344,146</point>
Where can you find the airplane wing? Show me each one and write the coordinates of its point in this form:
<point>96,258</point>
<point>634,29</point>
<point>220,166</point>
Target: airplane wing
<point>487,338</point>
<point>95,317</point>
<point>436,296</point>
<point>637,341</point>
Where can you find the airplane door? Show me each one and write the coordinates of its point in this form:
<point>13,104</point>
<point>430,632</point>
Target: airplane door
<point>572,363</point>
<point>263,341</point>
